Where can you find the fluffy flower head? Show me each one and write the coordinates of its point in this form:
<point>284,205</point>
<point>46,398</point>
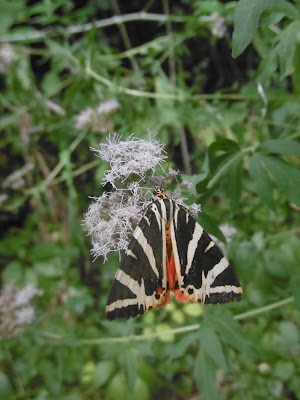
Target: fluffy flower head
<point>132,156</point>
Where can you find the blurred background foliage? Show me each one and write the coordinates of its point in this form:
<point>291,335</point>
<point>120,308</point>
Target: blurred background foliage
<point>219,81</point>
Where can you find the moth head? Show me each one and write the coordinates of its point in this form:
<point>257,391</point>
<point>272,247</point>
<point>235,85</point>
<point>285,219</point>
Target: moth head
<point>159,194</point>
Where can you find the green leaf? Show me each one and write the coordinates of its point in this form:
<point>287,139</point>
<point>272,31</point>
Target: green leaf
<point>286,8</point>
<point>128,362</point>
<point>262,168</point>
<point>282,340</point>
<point>102,372</point>
<point>280,146</point>
<point>284,370</point>
<point>210,226</point>
<point>286,48</point>
<point>205,375</point>
<point>246,17</point>
<point>286,177</point>
<point>50,81</point>
<point>6,390</point>
<point>212,345</point>
<point>234,189</point>
<point>197,181</point>
<point>295,286</point>
<point>224,145</point>
<point>280,10</point>
<point>117,389</point>
<point>231,333</point>
<point>219,150</point>
<point>262,181</point>
<point>182,345</point>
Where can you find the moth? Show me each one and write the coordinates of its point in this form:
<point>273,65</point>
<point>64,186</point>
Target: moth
<point>170,251</point>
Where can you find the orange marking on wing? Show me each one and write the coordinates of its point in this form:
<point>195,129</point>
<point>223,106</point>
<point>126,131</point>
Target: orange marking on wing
<point>172,279</point>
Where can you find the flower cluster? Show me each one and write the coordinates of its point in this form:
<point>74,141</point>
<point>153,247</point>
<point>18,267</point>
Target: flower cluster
<point>15,308</point>
<point>113,216</point>
<point>16,179</point>
<point>98,120</point>
<point>132,156</point>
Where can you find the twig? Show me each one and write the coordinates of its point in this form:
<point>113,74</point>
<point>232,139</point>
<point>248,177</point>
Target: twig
<point>167,96</point>
<point>103,23</point>
<point>58,167</point>
<point>58,339</point>
<point>264,309</point>
<point>125,37</point>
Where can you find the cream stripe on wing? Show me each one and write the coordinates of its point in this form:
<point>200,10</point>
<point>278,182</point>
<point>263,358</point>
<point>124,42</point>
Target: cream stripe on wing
<point>131,253</point>
<point>127,281</point>
<point>192,247</point>
<point>157,215</point>
<point>216,270</point>
<point>226,289</point>
<point>211,244</point>
<point>142,240</point>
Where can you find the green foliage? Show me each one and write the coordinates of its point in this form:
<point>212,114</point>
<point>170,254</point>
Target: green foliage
<point>243,152</point>
<point>246,19</point>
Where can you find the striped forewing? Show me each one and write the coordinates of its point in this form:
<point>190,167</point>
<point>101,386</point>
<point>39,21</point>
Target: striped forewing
<point>203,274</point>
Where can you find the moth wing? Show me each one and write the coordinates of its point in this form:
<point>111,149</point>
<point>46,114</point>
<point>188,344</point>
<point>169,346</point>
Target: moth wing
<point>140,282</point>
<point>204,274</point>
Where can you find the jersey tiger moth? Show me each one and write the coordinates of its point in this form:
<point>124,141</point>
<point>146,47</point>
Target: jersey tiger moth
<point>170,251</point>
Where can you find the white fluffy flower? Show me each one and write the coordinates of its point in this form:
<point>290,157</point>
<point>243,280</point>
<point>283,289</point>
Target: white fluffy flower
<point>112,218</point>
<point>110,221</point>
<point>109,106</point>
<point>24,316</point>
<point>132,156</point>
<point>84,119</point>
<point>25,295</point>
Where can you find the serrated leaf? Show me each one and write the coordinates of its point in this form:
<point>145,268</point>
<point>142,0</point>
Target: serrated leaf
<point>286,48</point>
<point>280,146</point>
<point>205,376</point>
<point>246,18</point>
<point>210,226</point>
<point>212,346</point>
<point>231,333</point>
<point>262,181</point>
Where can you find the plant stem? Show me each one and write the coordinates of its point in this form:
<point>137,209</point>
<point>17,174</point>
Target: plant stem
<point>264,309</point>
<point>103,23</point>
<point>59,340</point>
<point>166,96</point>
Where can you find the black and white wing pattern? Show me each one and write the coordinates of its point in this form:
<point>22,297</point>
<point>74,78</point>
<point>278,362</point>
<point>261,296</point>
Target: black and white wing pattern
<point>140,282</point>
<point>204,274</point>
<point>170,251</point>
